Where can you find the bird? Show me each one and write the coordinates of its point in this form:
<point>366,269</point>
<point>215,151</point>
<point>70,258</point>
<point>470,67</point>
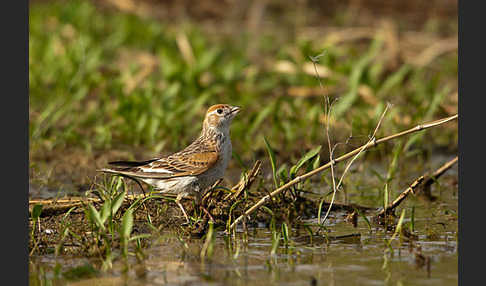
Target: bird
<point>193,169</point>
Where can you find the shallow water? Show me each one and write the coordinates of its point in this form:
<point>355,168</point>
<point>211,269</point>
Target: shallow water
<point>352,260</point>
<point>341,262</point>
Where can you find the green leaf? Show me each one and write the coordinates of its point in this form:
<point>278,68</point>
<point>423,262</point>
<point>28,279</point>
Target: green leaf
<point>271,154</point>
<point>308,156</point>
<point>208,246</point>
<point>117,183</point>
<point>398,228</point>
<point>319,211</point>
<point>143,235</point>
<point>118,201</point>
<point>268,210</point>
<point>385,197</point>
<point>36,211</point>
<point>127,224</point>
<point>394,163</point>
<point>316,163</point>
<point>364,218</point>
<point>285,232</point>
<point>228,222</point>
<point>67,214</point>
<point>105,211</point>
<point>95,216</point>
<point>275,244</point>
<point>282,174</point>
<point>309,231</point>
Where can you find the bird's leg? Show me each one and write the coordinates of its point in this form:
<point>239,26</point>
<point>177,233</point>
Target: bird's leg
<point>207,212</point>
<point>208,193</point>
<point>201,206</point>
<point>140,185</point>
<point>178,202</point>
<point>138,182</point>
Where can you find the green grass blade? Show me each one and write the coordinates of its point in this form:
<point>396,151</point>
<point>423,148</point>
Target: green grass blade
<point>364,218</point>
<point>282,173</point>
<point>275,244</point>
<point>412,220</point>
<point>95,217</point>
<point>118,201</point>
<point>385,197</point>
<point>143,235</point>
<point>207,249</point>
<point>316,163</point>
<point>308,156</point>
<point>392,169</point>
<point>319,211</point>
<point>271,154</point>
<point>125,230</point>
<point>398,228</point>
<point>36,211</point>
<point>127,224</point>
<point>105,211</point>
<point>285,233</point>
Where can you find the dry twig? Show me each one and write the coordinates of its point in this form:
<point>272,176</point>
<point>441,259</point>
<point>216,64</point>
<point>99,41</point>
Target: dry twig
<point>327,112</point>
<point>246,180</point>
<point>424,180</point>
<point>372,139</point>
<point>374,143</point>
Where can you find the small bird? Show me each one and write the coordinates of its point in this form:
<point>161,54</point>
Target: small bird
<point>193,169</point>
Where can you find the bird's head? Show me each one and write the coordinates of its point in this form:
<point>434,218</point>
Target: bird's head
<point>219,117</point>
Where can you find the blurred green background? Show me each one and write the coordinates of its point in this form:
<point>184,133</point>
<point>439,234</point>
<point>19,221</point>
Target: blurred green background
<point>113,80</point>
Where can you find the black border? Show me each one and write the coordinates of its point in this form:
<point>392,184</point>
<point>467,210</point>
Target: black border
<point>14,24</point>
<point>471,122</point>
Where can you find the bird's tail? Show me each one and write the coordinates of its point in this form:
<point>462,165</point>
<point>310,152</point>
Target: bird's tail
<point>109,171</point>
<point>127,164</point>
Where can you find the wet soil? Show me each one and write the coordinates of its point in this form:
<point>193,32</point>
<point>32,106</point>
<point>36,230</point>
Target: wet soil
<point>347,250</point>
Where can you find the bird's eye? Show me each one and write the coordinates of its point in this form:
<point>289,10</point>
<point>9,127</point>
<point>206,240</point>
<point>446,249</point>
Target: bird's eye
<point>219,111</point>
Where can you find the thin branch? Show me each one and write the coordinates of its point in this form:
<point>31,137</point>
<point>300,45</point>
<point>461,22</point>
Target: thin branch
<point>373,138</point>
<point>422,180</point>
<point>440,171</point>
<point>327,112</point>
<point>339,159</point>
<point>245,181</point>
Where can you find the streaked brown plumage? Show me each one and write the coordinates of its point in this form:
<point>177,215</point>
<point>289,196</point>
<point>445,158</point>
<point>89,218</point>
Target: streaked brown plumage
<point>193,169</point>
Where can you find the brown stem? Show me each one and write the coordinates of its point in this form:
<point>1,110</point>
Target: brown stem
<point>368,145</point>
<point>424,179</point>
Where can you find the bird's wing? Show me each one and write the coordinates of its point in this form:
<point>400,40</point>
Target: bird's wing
<point>183,164</point>
<point>189,162</point>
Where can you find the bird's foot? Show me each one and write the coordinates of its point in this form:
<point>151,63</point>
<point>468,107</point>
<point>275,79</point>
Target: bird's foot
<point>207,212</point>
<point>188,221</point>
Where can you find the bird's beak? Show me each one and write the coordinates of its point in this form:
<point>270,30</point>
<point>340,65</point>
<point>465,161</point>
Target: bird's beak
<point>235,110</point>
